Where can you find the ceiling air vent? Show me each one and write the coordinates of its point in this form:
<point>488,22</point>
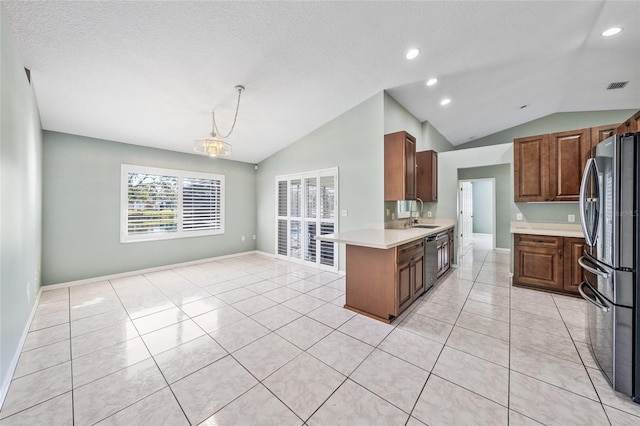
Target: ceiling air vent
<point>617,85</point>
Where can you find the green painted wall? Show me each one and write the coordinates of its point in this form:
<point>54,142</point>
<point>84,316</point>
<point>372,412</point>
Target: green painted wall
<point>434,140</point>
<point>20,201</point>
<point>353,142</point>
<point>503,198</point>
<point>397,118</point>
<point>483,209</point>
<point>552,123</point>
<point>81,209</point>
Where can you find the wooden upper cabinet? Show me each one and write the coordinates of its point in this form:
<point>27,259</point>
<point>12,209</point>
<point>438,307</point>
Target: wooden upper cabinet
<point>531,168</point>
<point>636,120</point>
<point>598,134</point>
<point>632,124</point>
<point>427,176</point>
<point>569,154</point>
<point>399,166</point>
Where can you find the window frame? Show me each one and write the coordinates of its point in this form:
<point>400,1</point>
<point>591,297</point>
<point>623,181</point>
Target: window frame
<point>126,238</point>
<point>302,219</point>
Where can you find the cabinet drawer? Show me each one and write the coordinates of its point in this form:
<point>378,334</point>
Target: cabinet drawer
<point>537,240</point>
<point>409,250</point>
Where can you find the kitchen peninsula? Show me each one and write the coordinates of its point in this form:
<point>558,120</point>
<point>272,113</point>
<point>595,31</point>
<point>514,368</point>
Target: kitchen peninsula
<point>385,268</point>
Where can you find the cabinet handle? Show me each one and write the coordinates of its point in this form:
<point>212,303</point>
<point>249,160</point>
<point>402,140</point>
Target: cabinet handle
<point>560,253</point>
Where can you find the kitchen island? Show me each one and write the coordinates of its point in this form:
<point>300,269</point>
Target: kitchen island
<point>385,267</point>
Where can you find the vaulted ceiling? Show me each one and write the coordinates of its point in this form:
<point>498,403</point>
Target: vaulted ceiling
<point>149,73</point>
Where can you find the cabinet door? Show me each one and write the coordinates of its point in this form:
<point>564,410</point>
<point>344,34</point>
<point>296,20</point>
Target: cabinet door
<point>404,284</point>
<point>573,273</point>
<point>538,262</point>
<point>531,168</point>
<point>600,133</point>
<point>418,282</point>
<point>569,153</point>
<point>636,121</point>
<point>399,166</point>
<point>632,124</point>
<point>410,167</point>
<point>427,176</point>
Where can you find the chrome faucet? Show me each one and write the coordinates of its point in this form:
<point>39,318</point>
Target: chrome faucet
<point>411,220</point>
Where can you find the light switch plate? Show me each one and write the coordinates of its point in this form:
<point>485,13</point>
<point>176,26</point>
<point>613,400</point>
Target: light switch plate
<point>518,216</point>
<point>345,213</point>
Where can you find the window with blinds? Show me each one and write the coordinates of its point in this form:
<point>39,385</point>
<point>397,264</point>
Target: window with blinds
<point>162,203</point>
<point>306,205</point>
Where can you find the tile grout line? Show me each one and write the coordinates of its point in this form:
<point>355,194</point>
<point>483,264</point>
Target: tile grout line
<point>156,364</point>
<point>509,362</point>
<point>73,401</point>
<point>582,361</point>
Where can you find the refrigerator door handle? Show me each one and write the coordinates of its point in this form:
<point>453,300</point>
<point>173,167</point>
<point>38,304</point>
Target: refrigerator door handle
<point>589,235</point>
<point>594,300</point>
<point>594,270</point>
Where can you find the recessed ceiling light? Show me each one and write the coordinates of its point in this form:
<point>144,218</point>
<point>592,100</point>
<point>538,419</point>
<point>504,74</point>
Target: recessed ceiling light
<point>432,81</point>
<point>445,101</point>
<point>412,53</point>
<point>611,31</point>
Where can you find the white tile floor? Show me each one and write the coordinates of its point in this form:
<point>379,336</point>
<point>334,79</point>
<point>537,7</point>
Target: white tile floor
<point>252,340</point>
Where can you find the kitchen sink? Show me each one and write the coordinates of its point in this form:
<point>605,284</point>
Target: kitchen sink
<point>426,226</point>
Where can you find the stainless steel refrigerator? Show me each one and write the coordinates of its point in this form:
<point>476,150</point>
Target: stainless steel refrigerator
<point>609,197</point>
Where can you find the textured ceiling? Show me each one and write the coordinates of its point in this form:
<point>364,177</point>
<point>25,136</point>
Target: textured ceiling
<point>149,73</point>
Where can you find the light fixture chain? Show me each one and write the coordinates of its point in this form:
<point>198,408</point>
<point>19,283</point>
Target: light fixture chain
<point>235,117</point>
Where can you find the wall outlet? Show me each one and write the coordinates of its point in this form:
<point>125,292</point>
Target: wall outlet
<point>254,236</point>
<point>388,212</point>
<point>243,238</point>
<point>393,216</point>
<point>429,214</point>
<point>345,213</point>
<point>518,216</point>
<point>572,218</point>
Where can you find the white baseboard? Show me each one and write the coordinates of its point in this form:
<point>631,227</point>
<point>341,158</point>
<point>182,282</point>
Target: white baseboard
<point>146,271</point>
<point>4,387</point>
<point>502,250</point>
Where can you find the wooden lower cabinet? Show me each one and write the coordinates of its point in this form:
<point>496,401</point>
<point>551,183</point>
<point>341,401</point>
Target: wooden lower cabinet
<point>573,273</point>
<point>548,262</point>
<point>383,283</point>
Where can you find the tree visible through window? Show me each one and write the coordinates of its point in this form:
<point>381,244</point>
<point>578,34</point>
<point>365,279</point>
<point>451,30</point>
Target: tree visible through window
<point>161,203</point>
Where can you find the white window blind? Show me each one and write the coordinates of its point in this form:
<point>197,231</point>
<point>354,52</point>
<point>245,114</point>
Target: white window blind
<point>306,204</point>
<point>201,204</point>
<point>163,203</point>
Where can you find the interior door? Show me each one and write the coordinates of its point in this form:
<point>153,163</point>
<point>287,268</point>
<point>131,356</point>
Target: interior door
<point>466,212</point>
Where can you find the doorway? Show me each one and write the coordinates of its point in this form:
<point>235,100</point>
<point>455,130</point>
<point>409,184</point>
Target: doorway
<point>477,215</point>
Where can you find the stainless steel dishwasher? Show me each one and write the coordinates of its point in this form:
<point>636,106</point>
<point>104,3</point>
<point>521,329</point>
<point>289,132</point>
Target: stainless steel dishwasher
<point>431,255</point>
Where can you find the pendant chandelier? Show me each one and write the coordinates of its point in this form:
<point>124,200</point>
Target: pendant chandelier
<point>215,146</point>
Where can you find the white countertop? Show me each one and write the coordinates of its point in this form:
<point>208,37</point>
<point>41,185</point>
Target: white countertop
<point>553,229</point>
<point>386,238</point>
